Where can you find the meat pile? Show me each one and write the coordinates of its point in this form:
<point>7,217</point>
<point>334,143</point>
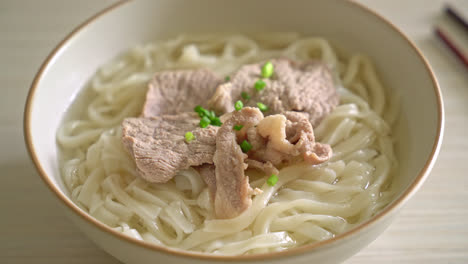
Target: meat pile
<point>298,97</point>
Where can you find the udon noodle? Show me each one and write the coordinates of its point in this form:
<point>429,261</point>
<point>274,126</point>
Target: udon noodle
<point>308,204</point>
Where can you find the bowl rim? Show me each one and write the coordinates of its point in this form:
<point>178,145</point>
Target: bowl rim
<point>415,185</point>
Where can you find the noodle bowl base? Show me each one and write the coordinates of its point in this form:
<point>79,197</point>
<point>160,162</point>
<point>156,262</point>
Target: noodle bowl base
<point>55,79</point>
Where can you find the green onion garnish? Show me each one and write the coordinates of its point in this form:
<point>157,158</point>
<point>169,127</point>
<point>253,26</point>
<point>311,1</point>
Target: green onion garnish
<point>227,78</point>
<point>202,111</point>
<point>207,117</point>
<point>267,70</point>
<point>238,105</point>
<point>198,109</point>
<point>262,107</point>
<point>210,114</point>
<point>272,180</point>
<point>259,85</point>
<point>204,122</point>
<point>189,137</point>
<point>238,127</point>
<point>216,122</point>
<point>245,96</point>
<point>245,146</point>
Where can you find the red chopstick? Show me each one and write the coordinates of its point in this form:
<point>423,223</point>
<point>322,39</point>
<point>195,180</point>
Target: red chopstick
<point>452,34</point>
<point>442,36</point>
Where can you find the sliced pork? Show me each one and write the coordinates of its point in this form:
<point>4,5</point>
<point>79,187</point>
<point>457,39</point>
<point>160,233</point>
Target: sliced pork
<point>298,97</point>
<point>175,92</point>
<point>233,192</point>
<point>275,141</point>
<point>301,87</point>
<point>287,141</point>
<point>266,167</point>
<point>159,148</point>
<point>207,173</point>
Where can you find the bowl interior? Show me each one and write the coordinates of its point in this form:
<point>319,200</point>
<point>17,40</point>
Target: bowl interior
<point>346,25</point>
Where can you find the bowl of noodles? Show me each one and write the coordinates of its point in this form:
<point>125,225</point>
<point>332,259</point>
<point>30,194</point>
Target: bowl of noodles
<point>333,190</point>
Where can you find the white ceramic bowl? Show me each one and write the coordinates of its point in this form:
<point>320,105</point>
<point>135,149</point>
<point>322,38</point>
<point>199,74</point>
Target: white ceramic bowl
<point>346,24</point>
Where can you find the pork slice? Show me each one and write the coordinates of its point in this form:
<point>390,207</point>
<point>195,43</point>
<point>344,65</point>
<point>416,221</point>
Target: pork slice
<point>314,91</point>
<point>287,141</point>
<point>265,167</point>
<point>302,87</point>
<point>233,192</point>
<point>292,131</point>
<point>158,146</point>
<point>257,141</point>
<point>175,92</point>
<point>207,173</point>
<point>301,134</point>
<point>275,140</point>
<point>299,131</point>
<point>319,153</point>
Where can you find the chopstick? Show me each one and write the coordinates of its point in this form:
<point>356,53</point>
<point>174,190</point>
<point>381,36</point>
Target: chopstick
<point>450,11</point>
<point>448,42</point>
<point>452,36</point>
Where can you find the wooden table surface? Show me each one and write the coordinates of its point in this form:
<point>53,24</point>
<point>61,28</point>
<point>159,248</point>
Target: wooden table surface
<point>432,228</point>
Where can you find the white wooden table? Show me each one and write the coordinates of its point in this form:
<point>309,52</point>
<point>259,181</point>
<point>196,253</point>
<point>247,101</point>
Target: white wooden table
<point>432,228</point>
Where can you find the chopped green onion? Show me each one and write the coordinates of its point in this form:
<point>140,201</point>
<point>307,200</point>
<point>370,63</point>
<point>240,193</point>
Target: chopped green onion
<point>204,112</point>
<point>245,146</point>
<point>272,180</point>
<point>227,78</point>
<point>245,96</point>
<point>210,114</point>
<point>198,109</point>
<point>238,106</point>
<point>207,117</point>
<point>189,137</point>
<point>267,70</point>
<point>216,122</point>
<point>201,111</point>
<point>204,122</point>
<point>238,127</point>
<point>262,107</point>
<point>259,85</point>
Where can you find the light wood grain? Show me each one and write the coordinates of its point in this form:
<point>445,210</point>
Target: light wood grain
<point>432,228</point>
